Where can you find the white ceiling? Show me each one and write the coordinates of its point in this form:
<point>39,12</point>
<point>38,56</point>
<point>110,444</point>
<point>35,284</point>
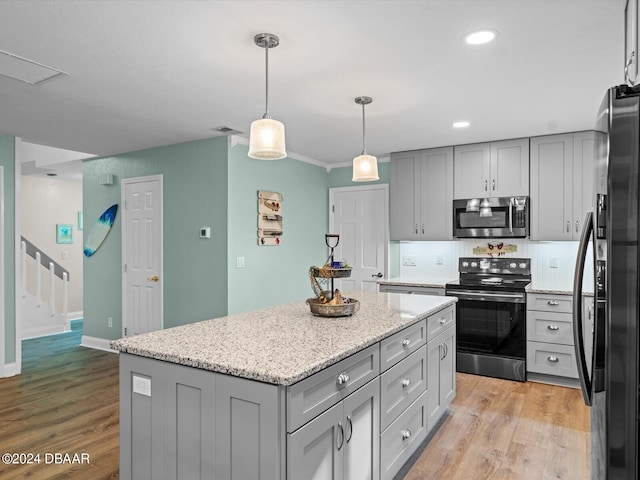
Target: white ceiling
<point>150,73</point>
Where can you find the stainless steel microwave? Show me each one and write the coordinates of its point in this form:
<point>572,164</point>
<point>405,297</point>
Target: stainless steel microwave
<point>498,217</point>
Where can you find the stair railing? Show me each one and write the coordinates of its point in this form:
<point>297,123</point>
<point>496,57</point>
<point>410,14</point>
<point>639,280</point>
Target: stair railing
<point>55,270</point>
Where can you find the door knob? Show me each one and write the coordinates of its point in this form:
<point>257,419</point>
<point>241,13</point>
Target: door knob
<point>153,279</point>
<point>378,275</point>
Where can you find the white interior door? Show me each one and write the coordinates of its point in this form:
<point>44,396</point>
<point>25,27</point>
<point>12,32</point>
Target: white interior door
<point>142,255</point>
<point>2,304</point>
<point>360,216</point>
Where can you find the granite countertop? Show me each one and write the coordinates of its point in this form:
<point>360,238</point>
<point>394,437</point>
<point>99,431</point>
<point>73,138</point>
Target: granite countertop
<point>554,290</point>
<point>283,344</point>
<point>406,282</point>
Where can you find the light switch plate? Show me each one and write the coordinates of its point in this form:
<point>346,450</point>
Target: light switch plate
<point>553,262</point>
<point>439,259</point>
<point>142,385</point>
<point>239,262</point>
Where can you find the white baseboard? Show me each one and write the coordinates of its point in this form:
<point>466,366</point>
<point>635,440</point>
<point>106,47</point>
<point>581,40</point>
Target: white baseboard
<point>75,315</point>
<point>9,370</point>
<point>96,343</point>
<point>42,331</point>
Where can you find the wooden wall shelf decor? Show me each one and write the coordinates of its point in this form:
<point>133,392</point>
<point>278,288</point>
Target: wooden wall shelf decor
<point>269,218</point>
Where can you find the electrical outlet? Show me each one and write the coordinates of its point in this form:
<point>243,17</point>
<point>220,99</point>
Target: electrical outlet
<point>553,262</point>
<point>142,385</point>
<point>110,322</point>
<point>409,260</point>
<point>439,259</point>
<point>239,262</point>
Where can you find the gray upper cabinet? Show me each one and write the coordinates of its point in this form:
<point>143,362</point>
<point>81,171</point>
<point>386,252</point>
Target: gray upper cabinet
<point>561,185</point>
<point>496,169</point>
<point>421,194</point>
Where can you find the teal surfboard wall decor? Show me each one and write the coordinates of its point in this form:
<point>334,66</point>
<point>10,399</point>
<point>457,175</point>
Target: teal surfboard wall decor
<point>100,230</point>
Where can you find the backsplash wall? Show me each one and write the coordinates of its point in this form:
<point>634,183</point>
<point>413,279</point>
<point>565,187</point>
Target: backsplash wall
<point>437,262</point>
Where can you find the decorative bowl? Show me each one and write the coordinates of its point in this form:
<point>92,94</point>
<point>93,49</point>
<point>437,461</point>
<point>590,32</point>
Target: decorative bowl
<point>325,310</point>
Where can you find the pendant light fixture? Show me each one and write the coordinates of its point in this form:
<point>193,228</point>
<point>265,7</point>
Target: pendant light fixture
<point>266,139</point>
<point>365,167</point>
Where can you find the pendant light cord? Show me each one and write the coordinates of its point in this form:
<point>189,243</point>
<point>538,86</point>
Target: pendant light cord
<point>364,138</point>
<point>266,80</point>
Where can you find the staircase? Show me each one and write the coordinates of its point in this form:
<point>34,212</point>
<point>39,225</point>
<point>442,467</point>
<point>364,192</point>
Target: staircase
<point>40,314</point>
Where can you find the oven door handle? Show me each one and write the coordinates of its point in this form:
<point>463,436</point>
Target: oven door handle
<point>504,297</point>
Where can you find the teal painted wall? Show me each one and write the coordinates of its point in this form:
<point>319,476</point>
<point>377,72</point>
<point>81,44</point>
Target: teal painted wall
<point>274,274</point>
<point>195,270</point>
<point>341,177</point>
<point>7,160</point>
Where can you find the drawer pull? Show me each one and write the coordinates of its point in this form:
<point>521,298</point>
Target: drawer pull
<point>406,433</point>
<point>406,342</point>
<point>553,358</point>
<point>443,321</point>
<point>342,378</point>
<point>406,382</point>
<point>553,327</point>
<point>553,303</point>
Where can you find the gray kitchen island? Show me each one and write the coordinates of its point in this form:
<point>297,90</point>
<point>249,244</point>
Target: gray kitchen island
<point>281,394</point>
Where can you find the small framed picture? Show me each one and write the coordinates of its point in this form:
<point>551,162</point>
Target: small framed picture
<point>64,233</point>
<point>80,221</point>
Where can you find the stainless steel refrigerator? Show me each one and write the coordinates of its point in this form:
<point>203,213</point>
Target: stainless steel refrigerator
<point>609,377</point>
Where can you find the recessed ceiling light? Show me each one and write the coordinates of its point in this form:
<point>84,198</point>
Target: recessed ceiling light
<point>463,124</point>
<point>480,37</point>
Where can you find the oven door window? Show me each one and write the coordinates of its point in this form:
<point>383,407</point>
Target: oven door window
<point>499,219</point>
<point>494,328</point>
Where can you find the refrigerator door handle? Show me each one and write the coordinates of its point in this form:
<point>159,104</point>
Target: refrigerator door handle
<point>578,334</point>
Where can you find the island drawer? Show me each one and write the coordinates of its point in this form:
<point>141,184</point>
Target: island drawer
<point>401,385</point>
<point>310,397</point>
<point>550,303</point>
<point>550,327</point>
<point>399,440</point>
<point>551,359</point>
<point>439,322</point>
<point>402,344</point>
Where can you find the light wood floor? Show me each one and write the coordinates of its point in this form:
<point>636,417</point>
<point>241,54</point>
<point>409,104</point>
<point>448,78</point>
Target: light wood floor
<point>66,401</point>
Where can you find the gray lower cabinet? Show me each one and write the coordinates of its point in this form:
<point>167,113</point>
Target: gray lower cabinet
<point>360,418</point>
<point>341,443</point>
<point>441,375</point>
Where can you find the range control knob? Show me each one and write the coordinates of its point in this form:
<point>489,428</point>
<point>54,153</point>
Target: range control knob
<point>523,265</point>
<point>512,265</point>
<point>465,264</point>
<point>474,264</point>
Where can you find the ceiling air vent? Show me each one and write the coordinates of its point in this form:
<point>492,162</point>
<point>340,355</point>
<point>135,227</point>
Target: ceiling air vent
<point>24,70</point>
<point>226,131</point>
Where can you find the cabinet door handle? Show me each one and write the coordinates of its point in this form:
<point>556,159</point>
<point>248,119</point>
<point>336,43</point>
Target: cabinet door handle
<point>485,185</point>
<point>342,379</point>
<point>406,382</point>
<point>553,327</point>
<point>568,226</point>
<point>553,303</point>
<point>553,359</point>
<point>406,342</point>
<point>339,445</point>
<point>577,226</point>
<point>416,228</point>
<point>423,228</point>
<point>406,433</point>
<point>446,350</point>
<point>493,184</point>
<point>350,423</point>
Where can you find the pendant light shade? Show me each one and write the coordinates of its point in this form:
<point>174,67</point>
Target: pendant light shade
<point>266,138</point>
<point>365,167</point>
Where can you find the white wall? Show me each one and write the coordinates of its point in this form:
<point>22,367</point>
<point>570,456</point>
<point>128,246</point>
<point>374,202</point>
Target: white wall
<point>427,255</point>
<point>46,202</point>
